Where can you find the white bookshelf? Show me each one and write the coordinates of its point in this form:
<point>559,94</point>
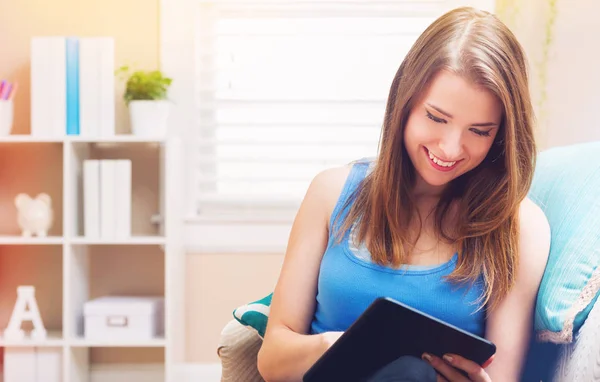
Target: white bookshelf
<point>19,240</point>
<point>140,240</point>
<point>67,268</point>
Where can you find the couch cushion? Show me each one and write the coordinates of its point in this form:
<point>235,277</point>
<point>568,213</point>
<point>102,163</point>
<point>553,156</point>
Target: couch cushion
<point>238,351</point>
<point>566,186</point>
<point>254,315</point>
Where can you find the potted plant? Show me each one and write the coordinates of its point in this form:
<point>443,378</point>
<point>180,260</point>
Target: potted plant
<point>146,97</point>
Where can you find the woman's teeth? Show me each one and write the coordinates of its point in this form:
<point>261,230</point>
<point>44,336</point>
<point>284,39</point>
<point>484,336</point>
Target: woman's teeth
<point>440,162</point>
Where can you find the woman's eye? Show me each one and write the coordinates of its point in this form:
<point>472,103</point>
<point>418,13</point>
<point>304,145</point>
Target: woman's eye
<point>481,133</point>
<point>435,119</point>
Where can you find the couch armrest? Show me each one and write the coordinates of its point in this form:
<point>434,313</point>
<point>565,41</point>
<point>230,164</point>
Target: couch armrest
<point>238,349</point>
<point>580,361</point>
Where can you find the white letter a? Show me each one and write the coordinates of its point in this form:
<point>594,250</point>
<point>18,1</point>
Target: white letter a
<point>25,298</point>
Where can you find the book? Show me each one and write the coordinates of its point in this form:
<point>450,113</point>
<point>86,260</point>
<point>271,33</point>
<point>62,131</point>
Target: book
<point>48,364</point>
<point>97,86</point>
<point>108,199</point>
<point>123,198</point>
<point>19,364</point>
<point>48,86</point>
<point>72,62</point>
<point>72,86</point>
<point>91,198</point>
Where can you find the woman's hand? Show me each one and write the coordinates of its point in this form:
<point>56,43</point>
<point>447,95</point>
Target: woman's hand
<point>447,366</point>
<point>329,338</point>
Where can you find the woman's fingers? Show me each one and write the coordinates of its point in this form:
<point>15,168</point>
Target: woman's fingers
<point>444,369</point>
<point>476,372</point>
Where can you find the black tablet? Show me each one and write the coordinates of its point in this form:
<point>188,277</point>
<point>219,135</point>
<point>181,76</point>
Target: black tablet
<point>387,330</point>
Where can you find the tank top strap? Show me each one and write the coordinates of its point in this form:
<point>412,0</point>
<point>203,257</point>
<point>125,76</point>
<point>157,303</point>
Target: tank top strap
<point>358,172</point>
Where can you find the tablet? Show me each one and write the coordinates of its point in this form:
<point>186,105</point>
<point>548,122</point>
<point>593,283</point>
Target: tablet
<point>387,330</point>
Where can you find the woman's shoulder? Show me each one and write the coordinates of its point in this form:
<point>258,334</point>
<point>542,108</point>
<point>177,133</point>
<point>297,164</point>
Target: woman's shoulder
<point>329,183</point>
<point>332,180</point>
<point>532,219</point>
<point>534,235</point>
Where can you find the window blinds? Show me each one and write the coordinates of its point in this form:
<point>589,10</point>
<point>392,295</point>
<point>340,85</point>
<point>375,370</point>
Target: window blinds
<point>288,88</point>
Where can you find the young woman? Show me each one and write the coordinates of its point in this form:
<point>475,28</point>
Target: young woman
<point>439,220</point>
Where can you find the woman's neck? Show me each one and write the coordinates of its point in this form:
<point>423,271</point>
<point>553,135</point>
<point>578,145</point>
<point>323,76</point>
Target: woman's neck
<point>424,190</point>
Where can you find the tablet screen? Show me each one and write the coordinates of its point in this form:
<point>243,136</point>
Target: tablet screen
<point>387,330</point>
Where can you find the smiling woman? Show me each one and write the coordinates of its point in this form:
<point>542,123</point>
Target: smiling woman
<point>439,220</point>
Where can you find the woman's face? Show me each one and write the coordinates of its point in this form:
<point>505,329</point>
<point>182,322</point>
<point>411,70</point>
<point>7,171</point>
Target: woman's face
<point>450,130</point>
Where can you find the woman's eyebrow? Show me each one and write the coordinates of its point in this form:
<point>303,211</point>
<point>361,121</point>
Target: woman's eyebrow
<point>439,110</point>
<point>486,124</point>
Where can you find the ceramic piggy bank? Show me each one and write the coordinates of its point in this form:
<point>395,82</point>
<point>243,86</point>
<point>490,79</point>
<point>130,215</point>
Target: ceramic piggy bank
<point>34,215</point>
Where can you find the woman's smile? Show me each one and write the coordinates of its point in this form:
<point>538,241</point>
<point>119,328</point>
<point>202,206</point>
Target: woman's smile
<point>440,164</point>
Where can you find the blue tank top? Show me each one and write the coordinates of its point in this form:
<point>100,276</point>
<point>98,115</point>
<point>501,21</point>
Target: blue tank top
<point>348,283</point>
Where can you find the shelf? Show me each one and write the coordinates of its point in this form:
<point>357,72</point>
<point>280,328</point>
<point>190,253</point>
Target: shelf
<point>122,138</point>
<point>58,240</point>
<point>83,342</point>
<point>26,138</point>
<point>53,339</point>
<point>134,240</point>
<point>20,240</point>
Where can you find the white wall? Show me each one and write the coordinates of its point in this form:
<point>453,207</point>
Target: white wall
<point>574,74</point>
<point>571,67</point>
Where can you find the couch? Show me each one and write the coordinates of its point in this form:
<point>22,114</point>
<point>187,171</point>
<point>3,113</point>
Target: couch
<point>578,361</point>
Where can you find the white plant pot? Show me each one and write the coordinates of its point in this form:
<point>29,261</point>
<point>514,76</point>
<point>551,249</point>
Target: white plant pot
<point>149,118</point>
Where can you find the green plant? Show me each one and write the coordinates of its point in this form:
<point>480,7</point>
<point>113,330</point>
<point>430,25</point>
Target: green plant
<point>144,85</point>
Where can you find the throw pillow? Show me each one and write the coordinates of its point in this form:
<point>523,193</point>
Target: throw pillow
<point>254,315</point>
<point>566,186</point>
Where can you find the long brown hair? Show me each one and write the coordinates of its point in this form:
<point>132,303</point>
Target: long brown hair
<point>477,46</point>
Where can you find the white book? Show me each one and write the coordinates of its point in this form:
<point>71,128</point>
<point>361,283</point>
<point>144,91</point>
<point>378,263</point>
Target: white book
<point>107,199</point>
<point>48,364</point>
<point>123,198</point>
<point>97,86</point>
<point>107,85</point>
<point>91,198</point>
<point>19,364</point>
<point>89,80</point>
<point>48,86</point>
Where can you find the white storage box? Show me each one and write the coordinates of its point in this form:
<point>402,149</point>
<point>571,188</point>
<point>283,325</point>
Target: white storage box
<point>124,318</point>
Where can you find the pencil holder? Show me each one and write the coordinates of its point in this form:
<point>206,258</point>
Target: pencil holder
<point>6,117</point>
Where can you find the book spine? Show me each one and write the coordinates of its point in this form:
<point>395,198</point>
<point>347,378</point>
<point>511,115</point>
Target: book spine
<point>58,88</point>
<point>72,75</point>
<point>19,364</point>
<point>123,198</point>
<point>48,366</point>
<point>91,198</point>
<point>89,85</point>
<point>106,62</point>
<point>107,201</point>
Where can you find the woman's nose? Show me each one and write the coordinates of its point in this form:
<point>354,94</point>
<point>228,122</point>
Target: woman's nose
<point>451,146</point>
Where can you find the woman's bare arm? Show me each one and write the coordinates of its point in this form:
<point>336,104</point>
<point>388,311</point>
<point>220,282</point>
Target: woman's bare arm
<point>510,325</point>
<point>288,351</point>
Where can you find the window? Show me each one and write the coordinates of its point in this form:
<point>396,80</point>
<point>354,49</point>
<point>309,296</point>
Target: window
<point>279,90</point>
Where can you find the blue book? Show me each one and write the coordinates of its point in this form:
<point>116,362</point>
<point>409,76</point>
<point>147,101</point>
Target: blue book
<point>72,86</point>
